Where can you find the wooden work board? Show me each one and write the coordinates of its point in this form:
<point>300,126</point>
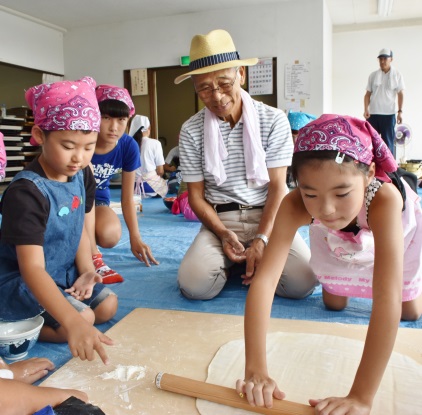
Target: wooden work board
<point>180,343</point>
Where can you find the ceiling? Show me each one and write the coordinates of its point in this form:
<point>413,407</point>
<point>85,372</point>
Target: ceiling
<point>69,15</point>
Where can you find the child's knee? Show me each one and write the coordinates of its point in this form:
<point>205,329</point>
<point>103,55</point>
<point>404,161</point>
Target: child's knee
<point>107,239</point>
<point>108,232</point>
<point>334,307</point>
<point>334,302</point>
<point>411,310</point>
<point>410,315</point>
<point>106,310</point>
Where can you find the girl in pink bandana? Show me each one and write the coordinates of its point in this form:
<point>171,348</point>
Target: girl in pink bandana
<point>350,195</point>
<point>115,153</point>
<point>45,266</point>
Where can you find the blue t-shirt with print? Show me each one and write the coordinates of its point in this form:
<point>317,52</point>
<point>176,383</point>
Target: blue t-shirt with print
<point>124,157</point>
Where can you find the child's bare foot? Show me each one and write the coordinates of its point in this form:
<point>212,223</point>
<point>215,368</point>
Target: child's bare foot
<point>83,286</point>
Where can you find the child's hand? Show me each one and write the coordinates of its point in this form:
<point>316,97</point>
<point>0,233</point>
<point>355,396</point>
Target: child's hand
<point>143,252</point>
<point>254,255</point>
<point>339,406</point>
<point>259,391</point>
<point>31,370</point>
<point>84,339</point>
<point>83,286</point>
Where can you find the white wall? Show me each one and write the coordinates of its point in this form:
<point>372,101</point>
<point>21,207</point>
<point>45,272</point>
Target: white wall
<point>297,30</point>
<point>355,57</point>
<point>31,45</point>
<point>289,31</point>
<point>327,61</point>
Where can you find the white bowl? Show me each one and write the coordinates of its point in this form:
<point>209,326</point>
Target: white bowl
<point>18,337</point>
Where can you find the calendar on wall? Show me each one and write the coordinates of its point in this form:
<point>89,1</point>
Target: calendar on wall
<point>261,77</point>
<point>139,81</point>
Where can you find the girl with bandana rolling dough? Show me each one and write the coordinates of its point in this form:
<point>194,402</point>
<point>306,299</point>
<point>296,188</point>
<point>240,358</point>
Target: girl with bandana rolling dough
<point>365,239</point>
<point>45,262</point>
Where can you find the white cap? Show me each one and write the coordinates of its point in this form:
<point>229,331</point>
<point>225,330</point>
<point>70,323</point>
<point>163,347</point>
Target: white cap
<point>385,53</point>
<point>139,121</point>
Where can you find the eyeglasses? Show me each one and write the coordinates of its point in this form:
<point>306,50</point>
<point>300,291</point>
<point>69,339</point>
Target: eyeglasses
<point>222,88</point>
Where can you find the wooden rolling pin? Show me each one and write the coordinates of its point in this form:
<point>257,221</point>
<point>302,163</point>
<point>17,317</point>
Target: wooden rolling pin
<point>226,396</point>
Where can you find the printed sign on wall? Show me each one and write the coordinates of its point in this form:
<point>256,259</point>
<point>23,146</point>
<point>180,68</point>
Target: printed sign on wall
<point>297,81</point>
<point>139,81</point>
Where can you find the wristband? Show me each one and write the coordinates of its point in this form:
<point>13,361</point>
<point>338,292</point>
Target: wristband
<point>399,111</point>
<point>6,374</point>
<point>263,238</point>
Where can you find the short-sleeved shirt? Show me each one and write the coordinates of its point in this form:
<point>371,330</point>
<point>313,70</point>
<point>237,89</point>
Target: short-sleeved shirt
<point>124,157</point>
<point>151,155</point>
<point>27,209</point>
<point>383,96</point>
<point>276,141</point>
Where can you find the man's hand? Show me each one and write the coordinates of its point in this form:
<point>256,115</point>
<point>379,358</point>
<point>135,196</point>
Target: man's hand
<point>233,249</point>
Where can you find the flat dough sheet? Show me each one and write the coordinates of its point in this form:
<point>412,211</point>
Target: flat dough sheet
<point>309,365</point>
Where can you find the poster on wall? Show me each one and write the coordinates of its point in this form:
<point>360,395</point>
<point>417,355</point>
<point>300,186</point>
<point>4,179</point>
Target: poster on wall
<point>261,77</point>
<point>139,81</point>
<point>297,81</point>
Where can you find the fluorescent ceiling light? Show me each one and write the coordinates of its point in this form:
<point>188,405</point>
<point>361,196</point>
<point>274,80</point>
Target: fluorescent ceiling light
<point>384,7</point>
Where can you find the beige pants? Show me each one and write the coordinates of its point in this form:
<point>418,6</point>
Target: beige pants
<point>204,268</point>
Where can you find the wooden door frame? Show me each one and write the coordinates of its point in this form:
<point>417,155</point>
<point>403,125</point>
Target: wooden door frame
<point>152,92</point>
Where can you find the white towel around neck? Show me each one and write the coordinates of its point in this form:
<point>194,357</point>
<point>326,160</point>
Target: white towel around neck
<point>215,151</point>
<point>393,78</point>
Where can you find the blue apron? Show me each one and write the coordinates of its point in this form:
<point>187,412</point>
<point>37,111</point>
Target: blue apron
<point>61,240</point>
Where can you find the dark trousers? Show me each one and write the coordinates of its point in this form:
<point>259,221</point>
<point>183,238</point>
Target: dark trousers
<point>384,125</point>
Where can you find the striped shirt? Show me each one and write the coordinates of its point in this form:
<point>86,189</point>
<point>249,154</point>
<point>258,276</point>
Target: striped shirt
<point>276,141</point>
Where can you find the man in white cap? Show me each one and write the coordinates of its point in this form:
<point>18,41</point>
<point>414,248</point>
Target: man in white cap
<point>384,85</point>
<point>234,155</point>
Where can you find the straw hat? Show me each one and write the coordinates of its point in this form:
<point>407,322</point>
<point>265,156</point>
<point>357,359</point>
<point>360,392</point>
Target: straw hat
<point>213,52</point>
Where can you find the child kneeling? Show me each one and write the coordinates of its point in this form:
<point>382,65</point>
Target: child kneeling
<point>45,262</point>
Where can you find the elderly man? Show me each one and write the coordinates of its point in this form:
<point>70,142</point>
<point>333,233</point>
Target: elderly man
<point>234,155</point>
<point>384,85</point>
